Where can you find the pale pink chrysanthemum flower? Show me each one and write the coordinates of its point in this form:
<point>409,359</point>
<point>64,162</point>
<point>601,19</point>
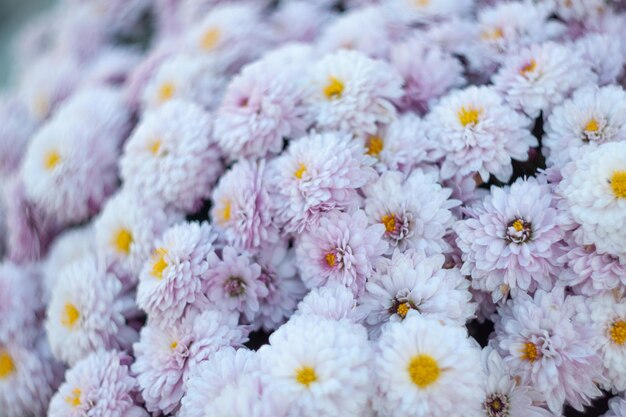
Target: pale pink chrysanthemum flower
<point>541,76</point>
<point>335,302</point>
<point>410,221</point>
<point>352,92</point>
<point>299,20</point>
<point>88,311</point>
<point>591,117</point>
<point>112,66</point>
<point>280,276</point>
<point>511,240</point>
<point>545,347</point>
<point>172,284</point>
<point>617,407</point>
<point>427,11</point>
<point>126,231</point>
<point>259,109</point>
<point>80,32</point>
<point>428,72</point>
<point>342,249</point>
<point>605,55</point>
<point>16,128</point>
<point>171,156</point>
<point>317,174</point>
<point>235,283</point>
<point>454,35</point>
<point>485,305</point>
<point>241,210</point>
<point>411,283</point>
<point>478,133</point>
<point>99,385</point>
<point>165,358</point>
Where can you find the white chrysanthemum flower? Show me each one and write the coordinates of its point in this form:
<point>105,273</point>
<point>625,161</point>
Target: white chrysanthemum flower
<point>88,311</point>
<point>186,77</point>
<point>320,367</point>
<point>478,133</point>
<point>426,11</point>
<point>173,283</point>
<point>426,368</point>
<point>606,315</point>
<point>594,190</point>
<point>541,76</point>
<point>171,156</point>
<point>333,302</point>
<point>605,55</point>
<point>591,117</point>
<point>352,92</point>
<point>411,221</point>
<point>411,283</point>
<point>126,230</point>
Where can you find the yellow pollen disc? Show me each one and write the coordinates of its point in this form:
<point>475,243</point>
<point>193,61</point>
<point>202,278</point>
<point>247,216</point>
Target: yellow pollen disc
<point>174,345</point>
<point>592,126</point>
<point>74,399</point>
<point>496,405</point>
<point>492,35</point>
<point>468,116</point>
<point>155,147</point>
<point>51,160</point>
<point>330,259</point>
<point>166,91</point>
<point>298,174</point>
<point>618,184</point>
<point>306,376</point>
<point>389,220</point>
<point>529,352</point>
<point>403,309</point>
<point>518,225</point>
<point>225,212</point>
<point>210,38</point>
<point>70,315</point>
<point>159,264</point>
<point>530,67</point>
<point>423,370</point>
<point>333,89</point>
<point>374,145</point>
<point>7,366</point>
<point>122,240</point>
<point>618,332</point>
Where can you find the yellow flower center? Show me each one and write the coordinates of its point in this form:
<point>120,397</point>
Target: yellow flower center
<point>122,241</point>
<point>618,332</point>
<point>492,35</point>
<point>529,67</point>
<point>389,220</point>
<point>298,174</point>
<point>51,160</point>
<point>306,375</point>
<point>592,126</point>
<point>333,89</point>
<point>518,225</point>
<point>7,366</point>
<point>618,184</point>
<point>159,264</point>
<point>224,213</point>
<point>166,91</point>
<point>468,116</point>
<point>210,38</point>
<point>374,145</point>
<point>155,147</point>
<point>529,352</point>
<point>74,399</point>
<point>330,259</point>
<point>423,370</point>
<point>174,345</point>
<point>403,309</point>
<point>70,315</point>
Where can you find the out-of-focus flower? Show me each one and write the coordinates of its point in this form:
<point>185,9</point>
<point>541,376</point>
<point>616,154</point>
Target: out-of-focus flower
<point>16,127</point>
<point>605,55</point>
<point>21,304</point>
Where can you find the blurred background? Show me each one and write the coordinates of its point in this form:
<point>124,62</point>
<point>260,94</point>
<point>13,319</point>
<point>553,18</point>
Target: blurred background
<point>13,14</point>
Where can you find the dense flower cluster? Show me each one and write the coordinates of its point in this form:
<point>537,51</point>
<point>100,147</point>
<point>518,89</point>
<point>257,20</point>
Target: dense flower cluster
<point>333,208</point>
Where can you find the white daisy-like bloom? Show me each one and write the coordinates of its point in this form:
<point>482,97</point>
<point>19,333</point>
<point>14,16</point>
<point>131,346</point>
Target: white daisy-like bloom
<point>411,221</point>
<point>604,52</point>
<point>187,77</point>
<point>88,311</point>
<point>478,133</point>
<point>425,11</point>
<point>333,302</point>
<point>594,190</point>
<point>352,93</point>
<point>591,117</point>
<point>606,315</point>
<point>426,368</point>
<point>320,367</point>
<point>411,283</point>
<point>504,395</point>
<point>171,156</point>
<point>126,231</point>
<point>172,284</point>
<point>541,76</point>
